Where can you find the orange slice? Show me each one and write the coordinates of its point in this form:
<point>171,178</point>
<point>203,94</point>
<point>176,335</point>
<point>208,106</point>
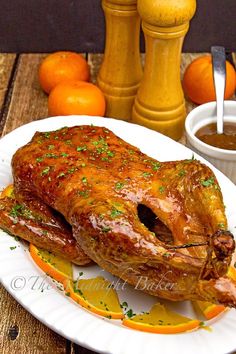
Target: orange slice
<point>232,273</point>
<point>58,268</point>
<point>96,295</point>
<point>7,192</point>
<point>161,320</point>
<point>210,310</point>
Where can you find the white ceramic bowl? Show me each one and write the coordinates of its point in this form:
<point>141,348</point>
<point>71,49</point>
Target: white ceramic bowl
<point>224,160</point>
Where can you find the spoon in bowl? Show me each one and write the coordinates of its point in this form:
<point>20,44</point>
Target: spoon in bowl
<point>219,74</point>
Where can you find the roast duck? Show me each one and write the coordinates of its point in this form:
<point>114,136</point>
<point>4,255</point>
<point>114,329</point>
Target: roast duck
<point>89,196</point>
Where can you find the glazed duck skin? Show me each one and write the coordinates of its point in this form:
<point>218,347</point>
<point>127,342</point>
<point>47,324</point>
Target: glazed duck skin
<point>33,221</point>
<point>97,182</point>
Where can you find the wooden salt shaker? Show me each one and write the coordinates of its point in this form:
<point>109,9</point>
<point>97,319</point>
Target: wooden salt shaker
<point>159,103</point>
<point>121,70</point>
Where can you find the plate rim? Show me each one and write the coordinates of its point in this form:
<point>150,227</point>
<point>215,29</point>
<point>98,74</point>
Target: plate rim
<point>35,124</point>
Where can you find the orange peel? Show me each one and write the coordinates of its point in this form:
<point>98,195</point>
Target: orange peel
<point>208,309</point>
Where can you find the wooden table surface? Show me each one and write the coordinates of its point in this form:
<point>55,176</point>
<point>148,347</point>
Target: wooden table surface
<point>22,101</point>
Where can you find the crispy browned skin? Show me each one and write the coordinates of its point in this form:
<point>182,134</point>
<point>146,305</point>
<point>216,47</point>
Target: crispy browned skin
<point>97,181</point>
<point>35,222</point>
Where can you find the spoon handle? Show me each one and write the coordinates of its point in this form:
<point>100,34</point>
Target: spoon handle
<point>219,73</point>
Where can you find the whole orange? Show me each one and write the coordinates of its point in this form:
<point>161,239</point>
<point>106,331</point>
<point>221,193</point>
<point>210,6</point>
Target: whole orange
<point>198,82</point>
<point>76,97</point>
<point>62,66</point>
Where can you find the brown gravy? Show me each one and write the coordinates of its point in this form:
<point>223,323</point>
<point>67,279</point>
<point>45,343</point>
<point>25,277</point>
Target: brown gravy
<point>208,134</point>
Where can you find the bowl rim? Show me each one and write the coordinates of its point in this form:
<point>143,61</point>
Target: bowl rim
<point>189,133</point>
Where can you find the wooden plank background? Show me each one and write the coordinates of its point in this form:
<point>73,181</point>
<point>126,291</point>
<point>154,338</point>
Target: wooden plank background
<point>50,25</point>
<point>21,101</point>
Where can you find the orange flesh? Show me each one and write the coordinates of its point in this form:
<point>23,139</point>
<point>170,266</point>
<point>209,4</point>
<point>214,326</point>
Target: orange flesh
<point>161,320</point>
<point>103,301</point>
<point>7,192</point>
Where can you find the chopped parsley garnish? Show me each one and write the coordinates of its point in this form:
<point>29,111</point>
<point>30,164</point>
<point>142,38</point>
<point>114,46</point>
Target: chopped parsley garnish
<point>100,150</point>
<point>52,156</point>
<point>84,194</point>
<point>110,153</point>
<point>51,147</point>
<point>12,248</point>
<point>106,229</point>
<point>39,159</point>
<point>146,174</point>
<point>47,135</point>
<point>81,148</point>
<point>221,225</point>
<point>45,171</point>
<point>156,166</point>
<point>16,210</point>
<point>182,173</point>
<point>20,210</point>
<point>62,174</point>
<point>161,189</point>
<point>72,170</point>
<point>115,213</point>
<point>130,313</point>
<point>190,160</point>
<point>102,147</point>
<point>131,152</point>
<point>64,154</point>
<point>102,141</point>
<point>68,142</point>
<point>208,182</point>
<point>84,180</point>
<point>119,185</point>
<point>124,305</point>
<point>78,291</point>
<point>166,254</point>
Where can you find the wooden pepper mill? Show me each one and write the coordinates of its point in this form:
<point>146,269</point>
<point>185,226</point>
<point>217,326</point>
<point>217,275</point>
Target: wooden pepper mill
<point>121,69</point>
<point>159,103</point>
